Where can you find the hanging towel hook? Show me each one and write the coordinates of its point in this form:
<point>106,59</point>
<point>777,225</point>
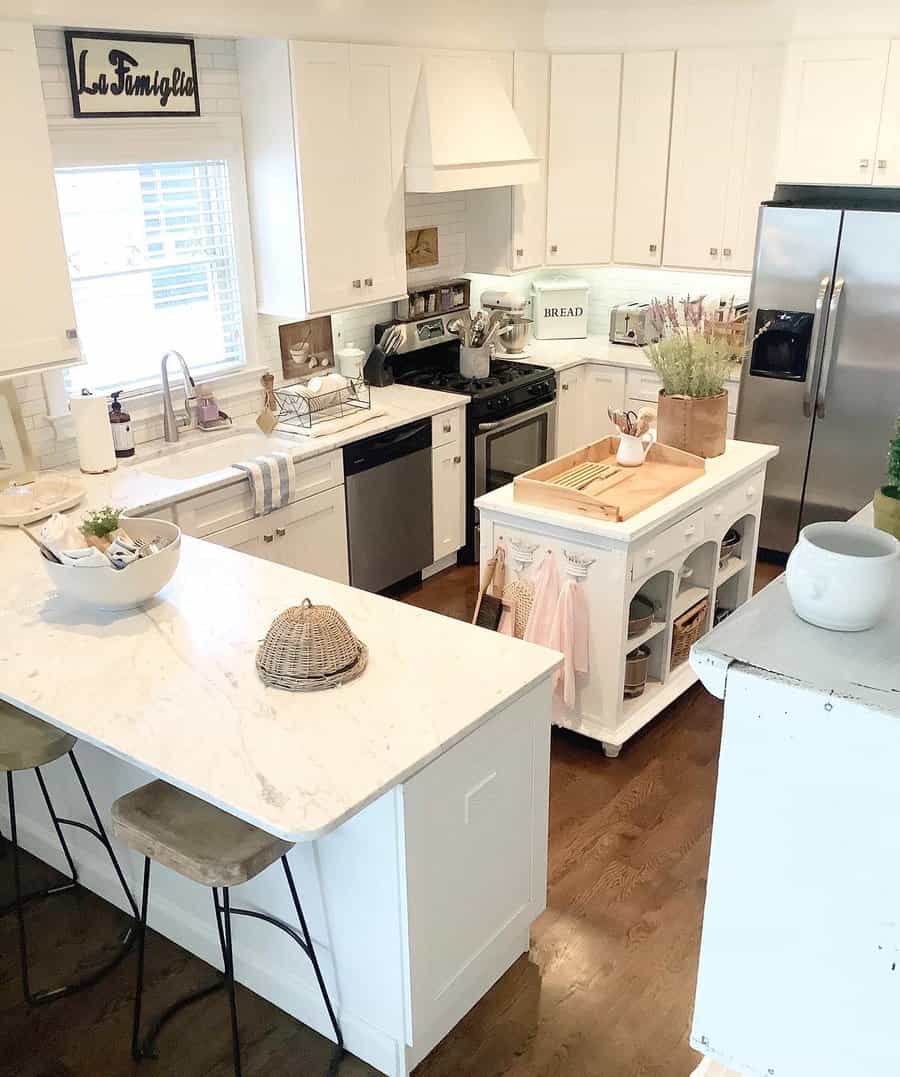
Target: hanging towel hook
<point>577,565</point>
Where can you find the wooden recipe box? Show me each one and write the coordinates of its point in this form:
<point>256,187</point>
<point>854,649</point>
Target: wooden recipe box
<point>589,482</point>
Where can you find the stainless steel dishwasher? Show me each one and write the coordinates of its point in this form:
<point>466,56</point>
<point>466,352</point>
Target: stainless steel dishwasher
<point>387,479</point>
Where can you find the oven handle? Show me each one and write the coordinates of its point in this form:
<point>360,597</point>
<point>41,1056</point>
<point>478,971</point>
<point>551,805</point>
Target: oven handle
<point>514,420</point>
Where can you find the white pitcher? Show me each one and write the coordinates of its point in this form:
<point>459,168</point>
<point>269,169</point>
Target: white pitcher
<point>632,450</point>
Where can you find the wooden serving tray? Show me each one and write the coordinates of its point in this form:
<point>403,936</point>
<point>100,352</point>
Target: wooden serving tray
<point>589,482</point>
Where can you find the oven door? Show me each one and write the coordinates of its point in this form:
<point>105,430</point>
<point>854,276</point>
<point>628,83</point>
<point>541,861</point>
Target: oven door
<point>508,447</point>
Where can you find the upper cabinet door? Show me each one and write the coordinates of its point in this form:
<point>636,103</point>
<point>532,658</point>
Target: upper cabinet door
<point>647,85</point>
<point>383,84</point>
<point>325,131</point>
<point>36,310</point>
<point>832,106</point>
<point>531,102</point>
<point>752,177</point>
<point>584,131</point>
<point>707,88</point>
<point>887,157</point>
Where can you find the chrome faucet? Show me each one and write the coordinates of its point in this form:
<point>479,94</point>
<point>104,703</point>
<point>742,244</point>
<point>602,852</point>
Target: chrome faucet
<point>171,423</point>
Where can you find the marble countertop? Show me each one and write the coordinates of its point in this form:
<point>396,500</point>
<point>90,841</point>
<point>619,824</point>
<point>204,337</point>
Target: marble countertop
<point>172,686</point>
<point>740,458</point>
<point>138,490</point>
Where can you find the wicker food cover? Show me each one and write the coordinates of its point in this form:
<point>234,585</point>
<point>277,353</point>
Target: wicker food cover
<point>309,647</point>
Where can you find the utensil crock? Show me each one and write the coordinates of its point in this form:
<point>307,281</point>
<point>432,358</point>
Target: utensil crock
<point>843,576</point>
<point>632,450</point>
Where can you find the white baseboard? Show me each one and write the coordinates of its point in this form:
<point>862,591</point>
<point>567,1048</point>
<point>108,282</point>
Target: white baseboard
<point>445,562</point>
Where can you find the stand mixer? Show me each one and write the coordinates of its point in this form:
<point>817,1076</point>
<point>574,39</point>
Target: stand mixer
<point>513,307</point>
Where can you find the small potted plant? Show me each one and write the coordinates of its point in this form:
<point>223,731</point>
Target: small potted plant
<point>99,527</point>
<point>887,499</point>
<point>698,350</point>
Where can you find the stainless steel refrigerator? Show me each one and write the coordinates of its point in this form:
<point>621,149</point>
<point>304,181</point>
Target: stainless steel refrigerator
<point>823,378</point>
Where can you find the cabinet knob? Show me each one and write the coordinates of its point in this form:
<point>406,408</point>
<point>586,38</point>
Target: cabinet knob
<point>882,163</point>
<point>369,282</point>
<point>688,531</point>
<point>652,248</point>
<point>447,428</point>
<point>280,532</point>
<point>649,555</point>
<point>864,162</point>
<point>726,251</point>
<point>357,283</point>
<point>750,492</point>
<point>268,538</point>
<point>457,459</point>
<point>71,334</point>
<point>717,511</point>
<point>553,248</point>
<point>713,251</point>
<point>564,388</point>
<point>520,252</point>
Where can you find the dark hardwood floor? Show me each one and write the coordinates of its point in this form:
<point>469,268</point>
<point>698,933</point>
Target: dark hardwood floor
<point>606,990</point>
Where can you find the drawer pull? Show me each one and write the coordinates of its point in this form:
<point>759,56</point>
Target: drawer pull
<point>726,251</point>
<point>268,538</point>
<point>554,249</point>
<point>750,491</point>
<point>280,532</point>
<point>650,555</point>
<point>882,163</point>
<point>714,251</point>
<point>653,248</point>
<point>688,531</point>
<point>717,511</point>
<point>369,282</point>
<point>357,283</point>
<point>457,459</point>
<point>864,162</point>
<point>447,428</point>
<point>520,252</point>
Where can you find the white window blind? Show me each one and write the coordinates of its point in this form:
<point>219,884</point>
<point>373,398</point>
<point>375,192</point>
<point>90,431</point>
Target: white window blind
<point>151,252</point>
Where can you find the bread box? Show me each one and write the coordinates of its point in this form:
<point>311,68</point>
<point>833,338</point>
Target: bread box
<point>560,308</point>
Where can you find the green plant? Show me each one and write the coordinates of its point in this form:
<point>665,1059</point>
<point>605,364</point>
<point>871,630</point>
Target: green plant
<point>101,522</point>
<point>696,352</point>
<point>893,484</point>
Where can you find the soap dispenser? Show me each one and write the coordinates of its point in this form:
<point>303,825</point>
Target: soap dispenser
<point>120,423</point>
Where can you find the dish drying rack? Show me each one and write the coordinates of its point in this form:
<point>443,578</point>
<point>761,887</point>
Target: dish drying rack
<point>298,410</point>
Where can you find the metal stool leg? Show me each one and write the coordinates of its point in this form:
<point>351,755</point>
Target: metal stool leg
<point>228,957</point>
<point>21,900</point>
<point>141,943</point>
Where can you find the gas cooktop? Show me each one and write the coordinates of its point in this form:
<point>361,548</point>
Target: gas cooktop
<point>503,376</point>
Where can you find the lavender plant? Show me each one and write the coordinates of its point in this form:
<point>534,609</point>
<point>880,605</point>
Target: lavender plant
<point>696,352</point>
<point>893,484</point>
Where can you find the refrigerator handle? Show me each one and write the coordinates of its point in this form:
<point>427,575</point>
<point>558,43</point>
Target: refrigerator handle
<point>830,343</point>
<point>816,344</point>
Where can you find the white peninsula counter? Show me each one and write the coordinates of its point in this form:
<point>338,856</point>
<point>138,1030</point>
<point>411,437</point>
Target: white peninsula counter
<point>668,553</point>
<point>800,955</point>
<point>417,793</point>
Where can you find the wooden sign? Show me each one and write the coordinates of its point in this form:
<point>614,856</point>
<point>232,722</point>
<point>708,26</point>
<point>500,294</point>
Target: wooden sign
<point>421,248</point>
<point>131,75</point>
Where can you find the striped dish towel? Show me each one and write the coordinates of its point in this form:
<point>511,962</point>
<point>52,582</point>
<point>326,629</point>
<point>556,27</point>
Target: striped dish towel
<point>273,481</point>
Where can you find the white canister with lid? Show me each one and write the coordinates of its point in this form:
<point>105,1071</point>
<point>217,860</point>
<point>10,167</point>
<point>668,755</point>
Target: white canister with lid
<point>560,308</point>
<point>350,360</point>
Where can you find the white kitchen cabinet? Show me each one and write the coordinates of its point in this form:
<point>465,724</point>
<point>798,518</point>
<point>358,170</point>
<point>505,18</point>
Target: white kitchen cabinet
<point>602,388</point>
<point>506,227</point>
<point>722,155</point>
<point>581,177</point>
<point>310,535</point>
<point>568,409</point>
<point>887,156</point>
<point>324,133</point>
<point>645,125</point>
<point>36,309</point>
<point>831,111</point>
<point>448,491</point>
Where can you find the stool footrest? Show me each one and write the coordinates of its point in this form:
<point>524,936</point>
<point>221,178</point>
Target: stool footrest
<point>147,1046</point>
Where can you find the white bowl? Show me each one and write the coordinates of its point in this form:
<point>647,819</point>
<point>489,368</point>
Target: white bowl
<point>843,576</point>
<point>106,588</point>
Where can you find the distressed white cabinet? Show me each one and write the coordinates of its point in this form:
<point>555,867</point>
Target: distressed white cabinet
<point>506,227</point>
<point>324,132</point>
<point>832,110</point>
<point>568,409</point>
<point>310,535</point>
<point>722,155</point>
<point>448,490</point>
<point>36,309</point>
<point>602,388</point>
<point>647,87</point>
<point>581,178</point>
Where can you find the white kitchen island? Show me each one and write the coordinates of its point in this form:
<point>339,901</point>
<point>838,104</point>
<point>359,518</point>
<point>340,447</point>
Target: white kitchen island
<point>417,794</point>
<point>651,553</point>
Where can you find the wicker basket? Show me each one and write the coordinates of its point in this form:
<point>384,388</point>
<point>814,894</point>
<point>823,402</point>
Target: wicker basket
<point>309,647</point>
<point>687,629</point>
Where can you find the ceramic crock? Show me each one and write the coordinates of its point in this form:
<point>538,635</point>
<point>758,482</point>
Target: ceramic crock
<point>843,576</point>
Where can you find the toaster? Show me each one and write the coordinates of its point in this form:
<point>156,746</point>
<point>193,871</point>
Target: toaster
<point>629,323</point>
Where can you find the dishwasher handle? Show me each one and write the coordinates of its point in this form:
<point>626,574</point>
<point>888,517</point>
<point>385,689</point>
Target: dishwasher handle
<point>391,445</point>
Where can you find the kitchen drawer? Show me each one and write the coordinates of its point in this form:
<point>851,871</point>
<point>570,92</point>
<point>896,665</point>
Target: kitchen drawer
<point>645,385</point>
<point>733,503</point>
<point>230,505</point>
<point>446,427</point>
<point>650,554</point>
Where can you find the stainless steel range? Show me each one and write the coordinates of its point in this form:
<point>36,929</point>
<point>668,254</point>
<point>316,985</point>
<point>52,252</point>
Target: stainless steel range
<point>510,420</point>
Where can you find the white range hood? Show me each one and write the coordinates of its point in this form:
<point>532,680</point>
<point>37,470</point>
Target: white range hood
<point>464,133</point>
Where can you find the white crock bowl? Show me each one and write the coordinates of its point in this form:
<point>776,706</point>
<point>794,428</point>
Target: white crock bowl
<point>843,576</point>
<point>103,587</point>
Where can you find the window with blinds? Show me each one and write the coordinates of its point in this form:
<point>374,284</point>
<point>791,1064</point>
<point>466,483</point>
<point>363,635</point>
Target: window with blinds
<point>151,255</point>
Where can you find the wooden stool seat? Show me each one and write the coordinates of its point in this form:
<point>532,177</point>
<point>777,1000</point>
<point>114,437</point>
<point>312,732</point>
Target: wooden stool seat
<point>27,742</point>
<point>194,838</point>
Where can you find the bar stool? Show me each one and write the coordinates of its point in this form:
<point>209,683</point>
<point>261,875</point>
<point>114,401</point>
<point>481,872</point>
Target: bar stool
<point>27,743</point>
<point>217,850</point>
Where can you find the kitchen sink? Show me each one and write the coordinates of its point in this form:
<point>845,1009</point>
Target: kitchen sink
<point>198,460</point>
